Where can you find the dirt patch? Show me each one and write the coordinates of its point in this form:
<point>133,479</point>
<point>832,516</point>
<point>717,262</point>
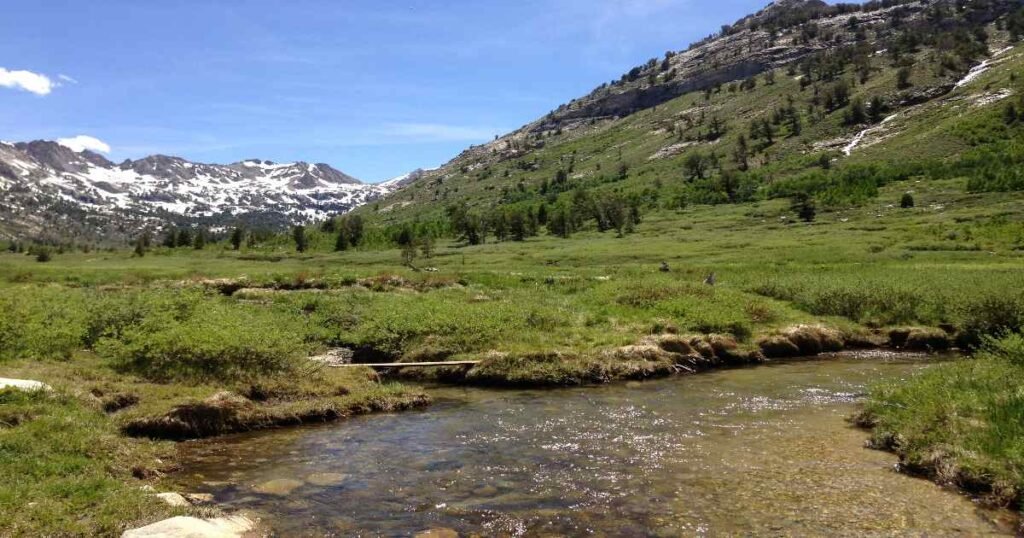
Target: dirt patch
<point>391,282</point>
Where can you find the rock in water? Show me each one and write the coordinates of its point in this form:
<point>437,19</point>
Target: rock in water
<point>437,533</point>
<point>193,527</point>
<point>280,486</point>
<point>326,479</point>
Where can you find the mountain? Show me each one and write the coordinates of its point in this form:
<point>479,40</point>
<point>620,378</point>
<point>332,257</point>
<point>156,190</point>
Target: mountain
<point>799,88</point>
<point>49,189</point>
<point>796,99</point>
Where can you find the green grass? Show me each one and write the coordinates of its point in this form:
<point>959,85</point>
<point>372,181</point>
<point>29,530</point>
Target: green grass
<point>961,423</point>
<point>67,471</point>
<point>150,345</point>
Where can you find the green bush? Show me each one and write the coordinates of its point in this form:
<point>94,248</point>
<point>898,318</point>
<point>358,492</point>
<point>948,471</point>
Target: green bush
<point>219,342</point>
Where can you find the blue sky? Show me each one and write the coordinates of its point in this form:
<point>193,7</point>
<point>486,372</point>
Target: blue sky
<point>373,88</point>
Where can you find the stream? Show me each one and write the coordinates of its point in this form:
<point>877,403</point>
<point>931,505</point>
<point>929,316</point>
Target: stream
<point>763,450</point>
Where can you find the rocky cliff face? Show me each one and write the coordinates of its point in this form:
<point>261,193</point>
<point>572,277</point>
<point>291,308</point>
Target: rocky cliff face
<point>774,37</point>
<point>44,185</point>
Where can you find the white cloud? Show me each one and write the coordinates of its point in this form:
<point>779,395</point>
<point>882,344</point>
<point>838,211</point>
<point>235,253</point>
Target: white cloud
<point>84,142</point>
<point>437,132</point>
<point>67,79</point>
<point>26,80</point>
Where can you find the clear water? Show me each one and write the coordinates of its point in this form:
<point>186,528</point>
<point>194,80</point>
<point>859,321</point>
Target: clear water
<point>763,450</point>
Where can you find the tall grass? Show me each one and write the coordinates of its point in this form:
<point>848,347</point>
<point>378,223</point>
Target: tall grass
<point>961,422</point>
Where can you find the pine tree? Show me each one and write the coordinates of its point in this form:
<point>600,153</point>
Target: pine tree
<point>741,153</point>
<point>907,201</point>
<point>299,236</point>
<point>199,242</point>
<point>237,236</point>
<point>184,238</point>
<point>140,248</point>
<point>803,206</point>
<point>903,78</point>
<point>341,242</point>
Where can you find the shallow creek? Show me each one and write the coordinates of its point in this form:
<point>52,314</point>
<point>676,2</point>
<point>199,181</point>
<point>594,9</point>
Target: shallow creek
<point>763,450</point>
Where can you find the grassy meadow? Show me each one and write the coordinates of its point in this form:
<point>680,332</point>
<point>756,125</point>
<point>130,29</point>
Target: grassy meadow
<point>188,343</point>
<point>185,343</point>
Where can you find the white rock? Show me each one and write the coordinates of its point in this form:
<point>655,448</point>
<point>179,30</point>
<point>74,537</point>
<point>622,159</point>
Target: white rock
<point>23,384</point>
<point>173,499</point>
<point>193,527</point>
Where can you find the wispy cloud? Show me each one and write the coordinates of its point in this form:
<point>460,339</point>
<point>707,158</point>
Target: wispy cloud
<point>84,142</point>
<point>438,132</point>
<point>27,81</point>
<point>67,79</point>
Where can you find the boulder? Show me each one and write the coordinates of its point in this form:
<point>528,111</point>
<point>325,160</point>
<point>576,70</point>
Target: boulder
<point>193,527</point>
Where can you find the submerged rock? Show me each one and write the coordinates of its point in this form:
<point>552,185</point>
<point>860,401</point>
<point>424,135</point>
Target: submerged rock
<point>193,527</point>
<point>438,533</point>
<point>279,486</point>
<point>326,479</point>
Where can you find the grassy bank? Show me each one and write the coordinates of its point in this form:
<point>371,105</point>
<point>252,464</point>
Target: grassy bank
<point>960,423</point>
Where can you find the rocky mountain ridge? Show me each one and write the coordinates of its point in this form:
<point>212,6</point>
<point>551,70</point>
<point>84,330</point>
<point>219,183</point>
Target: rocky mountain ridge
<point>822,58</point>
<point>48,188</point>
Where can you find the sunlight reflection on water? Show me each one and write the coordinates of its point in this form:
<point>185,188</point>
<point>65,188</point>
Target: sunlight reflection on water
<point>758,450</point>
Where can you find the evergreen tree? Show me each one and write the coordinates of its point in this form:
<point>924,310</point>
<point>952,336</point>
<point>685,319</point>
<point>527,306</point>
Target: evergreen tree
<point>803,206</point>
<point>184,238</point>
<point>696,165</point>
<point>237,236</point>
<point>341,242</point>
<point>199,242</point>
<point>903,78</point>
<point>741,153</point>
<point>907,201</point>
<point>299,236</point>
<point>170,239</point>
<point>856,114</point>
<point>140,248</point>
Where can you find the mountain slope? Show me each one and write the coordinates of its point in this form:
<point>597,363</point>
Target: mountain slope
<point>797,88</point>
<point>45,184</point>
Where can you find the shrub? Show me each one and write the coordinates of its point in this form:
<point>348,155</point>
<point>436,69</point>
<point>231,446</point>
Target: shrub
<point>907,201</point>
<point>219,342</point>
<point>992,315</point>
